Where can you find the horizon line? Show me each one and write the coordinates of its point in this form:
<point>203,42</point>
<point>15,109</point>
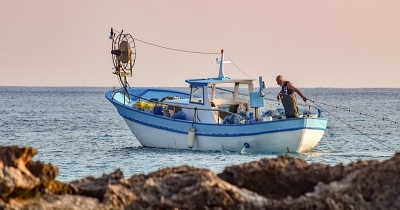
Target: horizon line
<point>188,87</point>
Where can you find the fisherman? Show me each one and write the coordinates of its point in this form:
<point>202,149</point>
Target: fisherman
<point>288,97</point>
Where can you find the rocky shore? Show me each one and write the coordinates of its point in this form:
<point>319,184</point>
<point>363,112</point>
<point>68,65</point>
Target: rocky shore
<point>281,183</point>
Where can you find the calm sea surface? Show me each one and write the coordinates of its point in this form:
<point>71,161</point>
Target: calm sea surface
<point>80,132</point>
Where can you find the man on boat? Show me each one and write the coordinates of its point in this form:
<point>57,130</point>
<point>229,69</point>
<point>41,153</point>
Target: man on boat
<point>288,97</point>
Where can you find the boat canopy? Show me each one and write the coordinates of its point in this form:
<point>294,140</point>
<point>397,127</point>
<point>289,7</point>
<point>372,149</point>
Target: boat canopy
<point>204,82</point>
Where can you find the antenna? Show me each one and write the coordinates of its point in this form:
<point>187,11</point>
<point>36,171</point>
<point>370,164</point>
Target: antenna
<point>221,68</point>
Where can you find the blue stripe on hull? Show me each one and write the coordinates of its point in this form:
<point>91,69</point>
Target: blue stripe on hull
<point>217,130</point>
<point>217,134</point>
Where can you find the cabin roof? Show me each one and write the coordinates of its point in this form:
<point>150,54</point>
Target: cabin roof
<point>177,101</point>
<point>217,80</point>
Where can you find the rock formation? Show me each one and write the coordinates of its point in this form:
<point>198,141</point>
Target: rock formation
<point>281,183</point>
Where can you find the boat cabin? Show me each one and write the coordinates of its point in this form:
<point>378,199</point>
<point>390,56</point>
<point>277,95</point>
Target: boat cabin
<point>204,105</point>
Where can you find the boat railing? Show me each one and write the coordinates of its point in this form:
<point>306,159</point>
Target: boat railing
<point>307,107</point>
<point>166,109</point>
<point>161,108</point>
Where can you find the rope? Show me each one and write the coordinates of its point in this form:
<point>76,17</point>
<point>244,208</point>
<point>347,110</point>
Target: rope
<point>318,106</point>
<point>360,113</point>
<point>376,140</point>
<point>238,67</point>
<point>169,48</point>
<point>196,115</point>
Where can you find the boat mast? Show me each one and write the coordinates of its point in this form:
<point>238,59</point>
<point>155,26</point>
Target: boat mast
<point>221,65</point>
<point>221,68</point>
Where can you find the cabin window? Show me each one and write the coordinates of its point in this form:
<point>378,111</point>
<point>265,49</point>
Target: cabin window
<point>209,92</point>
<point>243,91</point>
<point>197,95</point>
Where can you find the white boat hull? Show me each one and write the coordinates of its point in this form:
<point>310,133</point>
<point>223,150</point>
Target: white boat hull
<point>283,135</point>
<point>288,141</point>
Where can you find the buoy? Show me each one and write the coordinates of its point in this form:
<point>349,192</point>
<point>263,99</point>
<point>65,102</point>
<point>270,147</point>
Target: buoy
<point>191,136</point>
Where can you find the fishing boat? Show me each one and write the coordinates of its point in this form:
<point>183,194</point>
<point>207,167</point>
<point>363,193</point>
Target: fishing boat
<point>201,119</point>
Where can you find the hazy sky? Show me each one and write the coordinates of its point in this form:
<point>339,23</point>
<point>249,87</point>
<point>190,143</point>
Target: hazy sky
<point>341,43</point>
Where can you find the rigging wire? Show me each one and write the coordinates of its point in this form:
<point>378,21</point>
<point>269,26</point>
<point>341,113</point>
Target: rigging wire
<point>169,48</point>
<point>238,67</point>
<point>188,51</point>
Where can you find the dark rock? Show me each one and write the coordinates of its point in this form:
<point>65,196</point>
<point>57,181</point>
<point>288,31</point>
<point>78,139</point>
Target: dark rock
<point>187,187</point>
<point>16,156</point>
<point>373,185</point>
<point>285,176</point>
<point>97,187</point>
<point>280,183</point>
<point>45,172</point>
<point>16,181</point>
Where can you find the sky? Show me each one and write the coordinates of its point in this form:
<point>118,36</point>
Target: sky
<point>333,44</point>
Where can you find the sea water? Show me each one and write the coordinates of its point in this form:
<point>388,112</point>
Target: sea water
<point>79,130</point>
